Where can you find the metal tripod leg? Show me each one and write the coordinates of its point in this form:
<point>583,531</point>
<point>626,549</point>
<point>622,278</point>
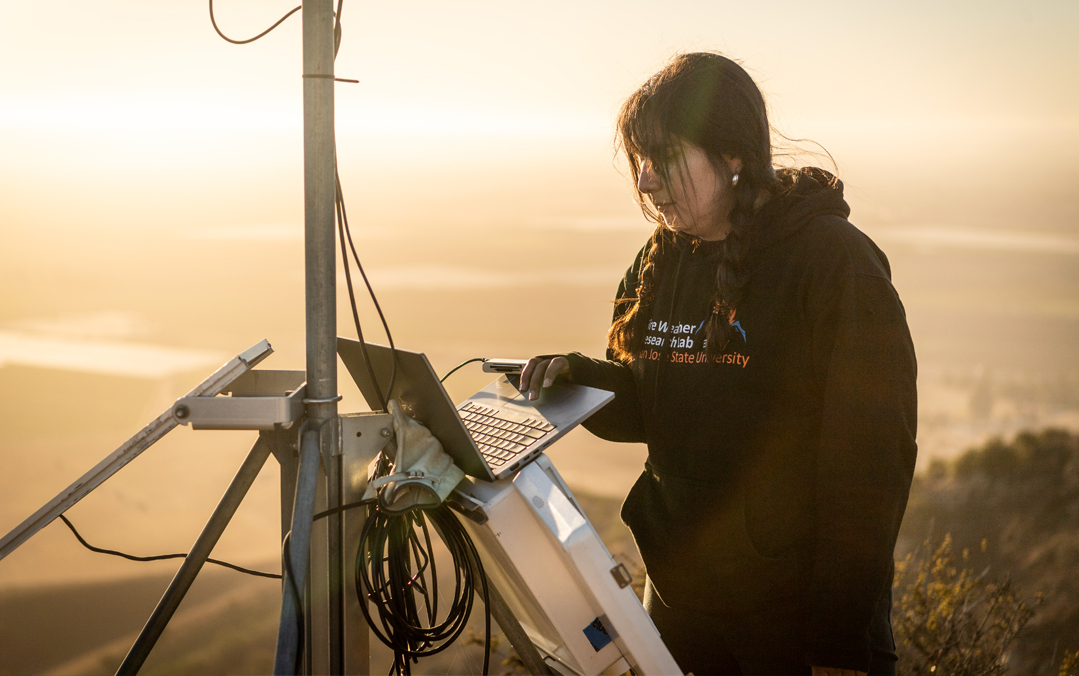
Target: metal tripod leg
<point>513,630</point>
<point>168,604</point>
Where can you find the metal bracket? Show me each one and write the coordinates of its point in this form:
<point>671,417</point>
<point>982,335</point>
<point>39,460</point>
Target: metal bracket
<point>621,576</point>
<point>283,443</point>
<point>261,400</point>
<point>266,383</point>
<point>329,439</point>
<point>363,435</point>
<point>467,506</point>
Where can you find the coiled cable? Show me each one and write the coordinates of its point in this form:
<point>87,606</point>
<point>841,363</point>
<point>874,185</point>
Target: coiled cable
<point>397,574</point>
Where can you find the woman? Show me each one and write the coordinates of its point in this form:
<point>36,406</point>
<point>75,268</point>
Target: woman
<point>759,349</point>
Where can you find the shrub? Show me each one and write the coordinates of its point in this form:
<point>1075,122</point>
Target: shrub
<point>1069,666</point>
<point>949,620</point>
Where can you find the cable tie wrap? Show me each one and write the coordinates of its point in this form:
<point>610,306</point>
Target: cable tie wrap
<point>327,400</point>
<point>318,76</point>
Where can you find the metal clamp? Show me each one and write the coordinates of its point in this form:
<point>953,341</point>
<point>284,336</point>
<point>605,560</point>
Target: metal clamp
<point>327,400</point>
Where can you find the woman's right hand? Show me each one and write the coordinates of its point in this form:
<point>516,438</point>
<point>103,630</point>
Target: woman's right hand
<point>542,372</point>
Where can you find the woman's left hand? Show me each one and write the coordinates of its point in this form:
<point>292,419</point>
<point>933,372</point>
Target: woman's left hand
<point>830,671</point>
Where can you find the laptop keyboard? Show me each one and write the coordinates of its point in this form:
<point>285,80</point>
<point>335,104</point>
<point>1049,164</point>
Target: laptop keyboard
<point>499,437</point>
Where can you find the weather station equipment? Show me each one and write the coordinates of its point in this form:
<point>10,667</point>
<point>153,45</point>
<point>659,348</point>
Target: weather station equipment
<point>541,570</point>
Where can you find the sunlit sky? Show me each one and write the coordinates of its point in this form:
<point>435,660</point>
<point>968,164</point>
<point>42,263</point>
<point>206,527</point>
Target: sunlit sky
<point>101,99</point>
<point>523,69</point>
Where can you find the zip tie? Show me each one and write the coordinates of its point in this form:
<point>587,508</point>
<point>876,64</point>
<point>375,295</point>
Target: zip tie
<point>330,77</point>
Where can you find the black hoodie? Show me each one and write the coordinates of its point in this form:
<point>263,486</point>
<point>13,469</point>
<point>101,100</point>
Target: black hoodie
<point>777,472</point>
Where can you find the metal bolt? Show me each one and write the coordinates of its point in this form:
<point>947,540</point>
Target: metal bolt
<point>384,433</point>
<point>182,412</point>
<point>359,434</point>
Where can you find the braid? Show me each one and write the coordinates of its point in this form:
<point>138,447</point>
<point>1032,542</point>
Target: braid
<point>732,272</point>
<point>625,338</point>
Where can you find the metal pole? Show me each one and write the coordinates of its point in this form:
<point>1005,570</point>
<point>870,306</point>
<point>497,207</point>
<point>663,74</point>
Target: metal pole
<point>288,633</point>
<point>319,191</point>
<point>191,566</point>
<point>335,543</point>
<point>321,274</point>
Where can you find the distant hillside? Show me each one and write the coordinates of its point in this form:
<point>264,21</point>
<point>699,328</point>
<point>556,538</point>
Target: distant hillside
<point>1022,498</point>
<point>226,624</point>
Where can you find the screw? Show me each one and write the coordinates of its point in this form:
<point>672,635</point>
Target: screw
<point>182,412</point>
<point>384,433</point>
<point>359,434</point>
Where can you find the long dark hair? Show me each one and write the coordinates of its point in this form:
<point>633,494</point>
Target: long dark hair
<point>713,103</point>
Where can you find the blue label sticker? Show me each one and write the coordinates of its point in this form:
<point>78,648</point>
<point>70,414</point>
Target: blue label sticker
<point>597,634</point>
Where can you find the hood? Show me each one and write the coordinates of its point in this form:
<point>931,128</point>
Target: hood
<point>806,194</point>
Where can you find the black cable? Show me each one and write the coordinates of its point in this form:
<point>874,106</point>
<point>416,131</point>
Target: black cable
<point>342,508</point>
<point>337,28</point>
<point>339,209</point>
<point>464,363</point>
<point>161,557</point>
<point>392,567</point>
<point>249,40</point>
<point>343,227</point>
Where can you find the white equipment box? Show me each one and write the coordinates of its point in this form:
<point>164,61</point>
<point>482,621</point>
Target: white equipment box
<point>570,596</point>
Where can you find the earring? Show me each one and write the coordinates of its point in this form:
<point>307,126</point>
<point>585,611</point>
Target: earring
<point>734,179</point>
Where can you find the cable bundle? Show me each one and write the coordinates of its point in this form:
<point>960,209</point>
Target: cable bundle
<point>396,572</point>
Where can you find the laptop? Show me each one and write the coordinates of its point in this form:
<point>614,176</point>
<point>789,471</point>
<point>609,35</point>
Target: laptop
<point>492,434</point>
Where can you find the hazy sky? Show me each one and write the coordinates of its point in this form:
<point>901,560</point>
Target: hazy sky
<point>108,102</point>
<point>559,68</point>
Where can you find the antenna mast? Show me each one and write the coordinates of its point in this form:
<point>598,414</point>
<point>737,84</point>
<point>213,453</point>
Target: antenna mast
<point>321,297</point>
